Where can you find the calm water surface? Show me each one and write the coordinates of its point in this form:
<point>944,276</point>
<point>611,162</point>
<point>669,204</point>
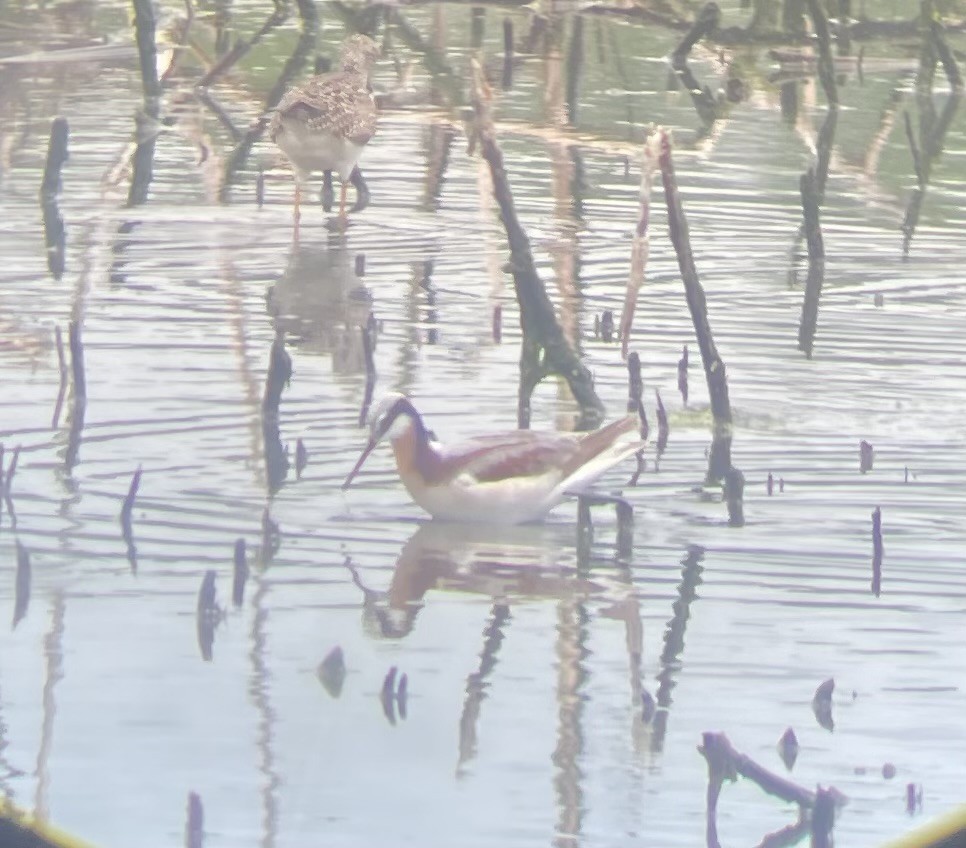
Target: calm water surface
<point>524,723</point>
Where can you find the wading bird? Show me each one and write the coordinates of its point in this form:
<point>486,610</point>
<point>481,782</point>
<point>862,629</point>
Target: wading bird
<point>324,124</point>
<point>511,477</point>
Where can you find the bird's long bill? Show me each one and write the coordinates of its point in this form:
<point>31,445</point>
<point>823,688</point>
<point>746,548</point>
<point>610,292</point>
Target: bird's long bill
<point>362,458</point>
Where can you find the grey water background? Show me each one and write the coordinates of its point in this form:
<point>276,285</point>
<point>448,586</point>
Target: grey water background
<point>524,721</point>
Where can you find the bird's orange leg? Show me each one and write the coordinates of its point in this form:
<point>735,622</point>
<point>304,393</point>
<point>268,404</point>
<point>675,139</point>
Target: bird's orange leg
<point>342,216</point>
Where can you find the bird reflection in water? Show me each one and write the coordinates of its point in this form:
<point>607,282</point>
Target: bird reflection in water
<point>529,561</point>
<point>320,303</point>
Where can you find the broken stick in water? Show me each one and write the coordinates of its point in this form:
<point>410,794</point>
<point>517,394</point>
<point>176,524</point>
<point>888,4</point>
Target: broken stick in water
<point>127,508</point>
<point>877,551</point>
<point>77,362</point>
<point>21,585</point>
<point>239,573</point>
<point>545,348</point>
<point>714,367</point>
<point>64,374</point>
<point>816,262</point>
<point>55,236</point>
<point>279,375</point>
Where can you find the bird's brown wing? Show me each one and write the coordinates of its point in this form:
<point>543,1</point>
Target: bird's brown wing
<point>338,103</point>
<point>525,453</point>
<point>520,453</point>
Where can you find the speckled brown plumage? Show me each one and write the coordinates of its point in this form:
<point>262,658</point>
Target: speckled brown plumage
<point>323,124</point>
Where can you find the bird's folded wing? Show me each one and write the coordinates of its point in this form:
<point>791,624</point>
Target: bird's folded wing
<point>333,103</point>
<point>522,453</point>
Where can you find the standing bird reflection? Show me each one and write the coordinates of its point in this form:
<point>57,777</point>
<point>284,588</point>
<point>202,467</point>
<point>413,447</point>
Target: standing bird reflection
<point>324,124</point>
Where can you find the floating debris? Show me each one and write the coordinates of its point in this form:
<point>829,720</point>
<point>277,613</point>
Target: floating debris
<point>788,748</point>
<point>865,457</point>
<point>822,704</point>
<point>888,771</point>
<point>239,573</point>
<point>331,672</point>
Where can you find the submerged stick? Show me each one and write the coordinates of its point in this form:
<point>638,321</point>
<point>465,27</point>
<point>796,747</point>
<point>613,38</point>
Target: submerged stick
<point>146,122</point>
<point>635,384</point>
<point>826,64</point>
<point>734,488</point>
<point>21,585</point>
<point>127,508</point>
<point>208,615</point>
<point>64,373</point>
<point>708,20</point>
<point>914,150</point>
<point>877,551</point>
<point>239,573</point>
<point>279,375</point>
<point>55,236</point>
<point>714,367</point>
<point>947,59</point>
<point>77,362</point>
<point>538,321</point>
<point>816,262</point>
<point>507,80</point>
<point>194,829</point>
<point>725,763</point>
